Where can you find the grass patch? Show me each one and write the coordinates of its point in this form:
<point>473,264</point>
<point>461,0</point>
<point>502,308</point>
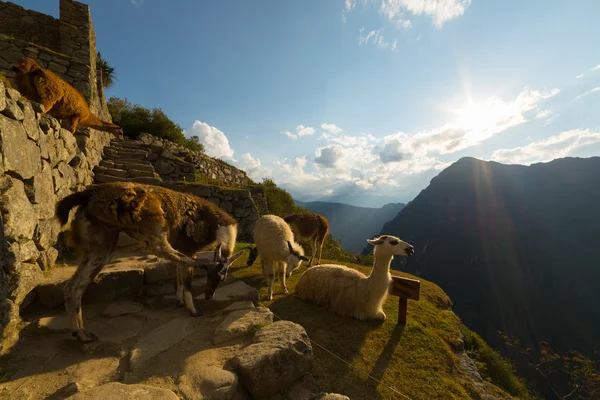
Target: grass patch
<point>417,359</point>
<point>492,366</point>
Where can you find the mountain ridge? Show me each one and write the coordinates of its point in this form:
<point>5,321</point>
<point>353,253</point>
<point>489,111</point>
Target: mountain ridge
<point>513,246</point>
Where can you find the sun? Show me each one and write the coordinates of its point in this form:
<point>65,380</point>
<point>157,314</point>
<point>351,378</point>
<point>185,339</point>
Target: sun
<point>476,120</point>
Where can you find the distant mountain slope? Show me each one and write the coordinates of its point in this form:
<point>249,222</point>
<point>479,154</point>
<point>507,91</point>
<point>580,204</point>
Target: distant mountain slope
<point>515,247</point>
<point>354,225</point>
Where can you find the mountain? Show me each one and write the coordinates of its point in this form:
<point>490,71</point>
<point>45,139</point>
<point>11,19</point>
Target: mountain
<point>353,198</point>
<point>353,225</point>
<point>515,247</point>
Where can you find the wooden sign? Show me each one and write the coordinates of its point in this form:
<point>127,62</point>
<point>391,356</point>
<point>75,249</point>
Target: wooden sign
<point>406,289</point>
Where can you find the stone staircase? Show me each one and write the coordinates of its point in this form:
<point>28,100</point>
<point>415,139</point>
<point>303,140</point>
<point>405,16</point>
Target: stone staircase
<point>128,160</point>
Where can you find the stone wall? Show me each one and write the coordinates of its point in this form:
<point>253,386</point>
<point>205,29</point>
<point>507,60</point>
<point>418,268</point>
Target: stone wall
<point>177,161</point>
<point>29,25</point>
<point>40,163</point>
<point>66,46</point>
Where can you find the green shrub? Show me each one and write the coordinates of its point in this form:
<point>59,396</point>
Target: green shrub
<point>492,366</point>
<point>135,119</point>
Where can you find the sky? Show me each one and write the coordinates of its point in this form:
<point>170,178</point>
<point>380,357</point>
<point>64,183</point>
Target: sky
<point>361,101</point>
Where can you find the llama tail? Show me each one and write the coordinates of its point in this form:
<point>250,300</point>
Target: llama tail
<point>64,206</point>
<point>94,122</point>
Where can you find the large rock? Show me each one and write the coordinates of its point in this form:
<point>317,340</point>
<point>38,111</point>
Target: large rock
<point>115,282</point>
<point>44,199</point>
<point>240,323</point>
<point>17,212</point>
<point>30,121</point>
<point>159,340</point>
<point>25,278</point>
<point>280,355</point>
<point>12,110</point>
<point>236,291</point>
<point>20,155</point>
<point>2,96</point>
<point>200,381</point>
<point>162,271</point>
<point>303,389</point>
<point>116,390</point>
<point>332,396</point>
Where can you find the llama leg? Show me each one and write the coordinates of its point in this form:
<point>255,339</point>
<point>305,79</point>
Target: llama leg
<point>282,272</point>
<point>180,274</point>
<point>74,123</point>
<point>187,292</point>
<point>313,248</point>
<point>48,104</point>
<point>321,250</point>
<point>158,244</point>
<point>269,267</point>
<point>97,246</point>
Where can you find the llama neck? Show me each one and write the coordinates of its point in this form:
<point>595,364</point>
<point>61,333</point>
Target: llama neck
<point>381,268</point>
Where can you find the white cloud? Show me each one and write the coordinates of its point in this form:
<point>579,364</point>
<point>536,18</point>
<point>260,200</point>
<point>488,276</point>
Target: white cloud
<point>349,5</point>
<point>440,11</point>
<point>290,135</point>
<point>374,37</point>
<point>136,2</point>
<point>301,130</point>
<point>215,142</point>
<point>558,146</point>
<point>596,68</point>
<point>331,128</point>
<point>254,168</point>
<point>404,24</point>
<point>543,114</point>
<point>329,156</point>
<point>579,76</point>
<point>594,90</point>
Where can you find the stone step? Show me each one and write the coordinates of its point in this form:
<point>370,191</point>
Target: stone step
<point>128,163</point>
<point>128,156</point>
<point>104,178</point>
<point>119,173</point>
<point>148,181</point>
<point>137,173</point>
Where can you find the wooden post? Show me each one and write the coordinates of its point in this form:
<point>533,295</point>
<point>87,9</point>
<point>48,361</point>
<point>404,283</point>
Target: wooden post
<point>405,289</point>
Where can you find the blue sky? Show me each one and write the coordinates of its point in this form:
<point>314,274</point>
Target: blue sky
<point>338,98</point>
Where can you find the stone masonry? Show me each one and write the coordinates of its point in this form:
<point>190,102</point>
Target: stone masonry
<point>40,163</point>
<point>67,46</point>
<point>177,162</point>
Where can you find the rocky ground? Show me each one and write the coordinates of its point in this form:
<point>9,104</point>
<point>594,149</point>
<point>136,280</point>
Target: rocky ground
<point>149,348</point>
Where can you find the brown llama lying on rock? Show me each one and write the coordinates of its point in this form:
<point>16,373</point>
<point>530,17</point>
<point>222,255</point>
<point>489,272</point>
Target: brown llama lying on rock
<point>171,225</point>
<point>348,292</point>
<point>59,98</point>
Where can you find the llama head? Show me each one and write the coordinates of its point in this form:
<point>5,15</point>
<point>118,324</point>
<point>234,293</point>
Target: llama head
<point>387,245</point>
<point>218,265</point>
<point>252,256</point>
<point>294,259</point>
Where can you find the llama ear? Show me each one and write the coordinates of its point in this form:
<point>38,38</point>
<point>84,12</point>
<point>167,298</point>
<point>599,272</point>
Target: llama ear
<point>304,258</point>
<point>235,257</point>
<point>290,247</point>
<point>218,252</point>
<point>375,241</point>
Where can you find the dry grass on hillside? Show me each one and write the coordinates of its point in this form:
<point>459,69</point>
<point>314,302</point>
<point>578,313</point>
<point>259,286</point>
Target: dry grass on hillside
<point>416,359</point>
